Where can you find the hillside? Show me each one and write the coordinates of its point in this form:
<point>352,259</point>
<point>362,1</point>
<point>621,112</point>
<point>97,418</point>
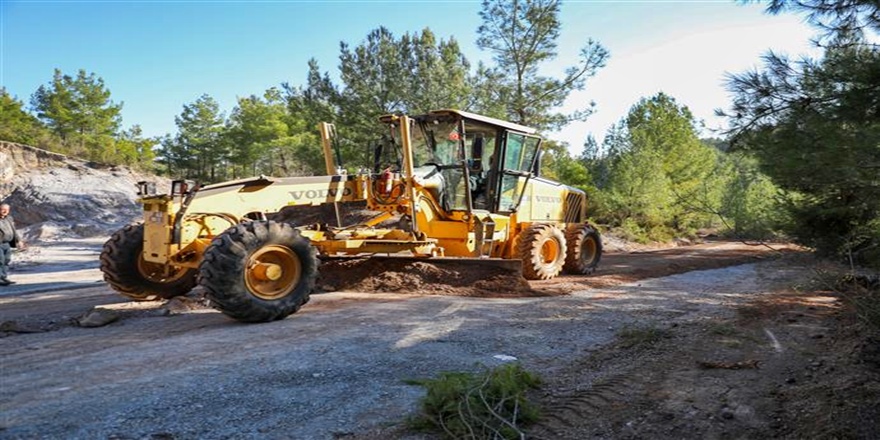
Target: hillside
<point>59,197</point>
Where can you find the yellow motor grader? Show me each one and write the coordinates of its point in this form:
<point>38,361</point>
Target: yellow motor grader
<point>459,185</point>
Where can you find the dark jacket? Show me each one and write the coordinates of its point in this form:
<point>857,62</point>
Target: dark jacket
<point>8,233</point>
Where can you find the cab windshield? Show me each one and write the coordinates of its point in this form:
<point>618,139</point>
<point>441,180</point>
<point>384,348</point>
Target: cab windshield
<point>437,142</point>
<point>461,151</point>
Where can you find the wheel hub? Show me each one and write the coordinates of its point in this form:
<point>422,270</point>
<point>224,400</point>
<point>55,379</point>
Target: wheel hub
<point>159,273</point>
<point>589,250</point>
<point>267,271</point>
<point>549,251</point>
<point>272,272</point>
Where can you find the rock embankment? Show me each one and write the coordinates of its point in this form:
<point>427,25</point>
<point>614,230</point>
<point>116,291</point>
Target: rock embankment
<point>54,196</point>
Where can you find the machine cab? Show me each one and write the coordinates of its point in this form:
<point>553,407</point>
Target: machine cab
<point>481,163</point>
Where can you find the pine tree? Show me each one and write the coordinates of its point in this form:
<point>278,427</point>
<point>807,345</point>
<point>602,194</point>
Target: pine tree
<point>659,172</point>
<point>80,112</point>
<point>200,126</point>
<point>814,127</point>
<point>522,35</point>
<point>17,125</point>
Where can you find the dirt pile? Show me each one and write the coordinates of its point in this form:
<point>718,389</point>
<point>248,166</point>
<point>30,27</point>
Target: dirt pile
<point>449,277</point>
<point>55,197</point>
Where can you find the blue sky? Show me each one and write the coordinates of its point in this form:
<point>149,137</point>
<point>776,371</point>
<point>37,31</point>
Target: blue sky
<point>156,56</point>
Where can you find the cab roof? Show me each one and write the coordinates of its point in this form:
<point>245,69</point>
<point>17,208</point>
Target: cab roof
<point>486,120</point>
<point>473,117</point>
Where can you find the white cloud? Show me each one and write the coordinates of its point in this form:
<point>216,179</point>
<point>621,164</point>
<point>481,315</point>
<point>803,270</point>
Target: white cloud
<point>689,67</point>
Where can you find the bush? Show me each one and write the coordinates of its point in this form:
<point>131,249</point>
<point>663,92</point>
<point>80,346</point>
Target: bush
<point>863,294</point>
<point>839,230</point>
<point>486,405</point>
<point>630,230</point>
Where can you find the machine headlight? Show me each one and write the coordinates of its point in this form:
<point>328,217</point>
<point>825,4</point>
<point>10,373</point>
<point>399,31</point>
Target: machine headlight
<point>146,188</point>
<point>181,187</point>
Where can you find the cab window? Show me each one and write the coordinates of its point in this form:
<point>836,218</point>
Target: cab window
<point>519,156</point>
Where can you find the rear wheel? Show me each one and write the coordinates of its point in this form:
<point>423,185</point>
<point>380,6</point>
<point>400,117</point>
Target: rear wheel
<point>542,250</point>
<point>126,270</point>
<point>584,249</point>
<point>259,271</point>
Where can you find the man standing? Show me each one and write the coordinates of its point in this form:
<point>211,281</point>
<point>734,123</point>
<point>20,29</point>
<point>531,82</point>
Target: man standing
<point>9,239</point>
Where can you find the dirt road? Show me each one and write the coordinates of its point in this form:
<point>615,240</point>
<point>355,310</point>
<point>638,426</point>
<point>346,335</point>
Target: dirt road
<point>337,368</point>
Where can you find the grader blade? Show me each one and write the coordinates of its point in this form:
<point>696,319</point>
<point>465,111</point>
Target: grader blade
<point>511,267</point>
<point>438,275</point>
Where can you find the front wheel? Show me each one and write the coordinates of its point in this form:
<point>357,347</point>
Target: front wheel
<point>542,250</point>
<point>584,249</point>
<point>259,271</point>
<point>127,272</point>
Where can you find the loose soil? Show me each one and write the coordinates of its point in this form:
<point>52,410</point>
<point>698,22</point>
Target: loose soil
<point>716,340</point>
<point>480,278</point>
<point>397,275</point>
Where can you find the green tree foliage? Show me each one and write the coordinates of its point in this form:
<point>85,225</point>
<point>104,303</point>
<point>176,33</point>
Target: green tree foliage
<point>522,35</point>
<point>198,150</point>
<point>848,20</point>
<point>133,149</point>
<point>492,404</point>
<point>79,111</point>
<point>814,126</point>
<point>751,205</point>
<point>315,102</point>
<point>17,125</point>
<point>265,138</point>
<point>441,73</point>
<point>374,76</point>
<point>412,74</point>
<point>173,158</point>
<point>384,74</point>
<point>409,75</point>
<point>558,164</point>
<point>659,174</point>
<point>486,97</point>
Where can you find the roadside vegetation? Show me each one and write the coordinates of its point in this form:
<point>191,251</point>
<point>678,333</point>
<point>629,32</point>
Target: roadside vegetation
<point>490,404</point>
<point>860,292</point>
<point>799,162</point>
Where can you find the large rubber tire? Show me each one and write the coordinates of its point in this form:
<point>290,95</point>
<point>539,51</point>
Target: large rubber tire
<point>542,250</point>
<point>259,271</point>
<point>584,249</point>
<point>127,272</point>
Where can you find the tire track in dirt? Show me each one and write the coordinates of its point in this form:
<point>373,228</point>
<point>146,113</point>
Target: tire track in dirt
<point>567,410</point>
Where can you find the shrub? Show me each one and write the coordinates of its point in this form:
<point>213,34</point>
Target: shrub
<point>487,405</point>
<point>862,292</point>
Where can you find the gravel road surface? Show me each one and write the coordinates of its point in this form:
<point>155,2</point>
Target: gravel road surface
<point>336,369</point>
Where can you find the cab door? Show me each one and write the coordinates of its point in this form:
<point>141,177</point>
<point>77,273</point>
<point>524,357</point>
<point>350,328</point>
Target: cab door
<point>519,154</point>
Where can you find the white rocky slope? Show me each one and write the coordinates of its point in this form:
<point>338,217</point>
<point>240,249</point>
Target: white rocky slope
<point>65,209</point>
<point>57,197</point>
